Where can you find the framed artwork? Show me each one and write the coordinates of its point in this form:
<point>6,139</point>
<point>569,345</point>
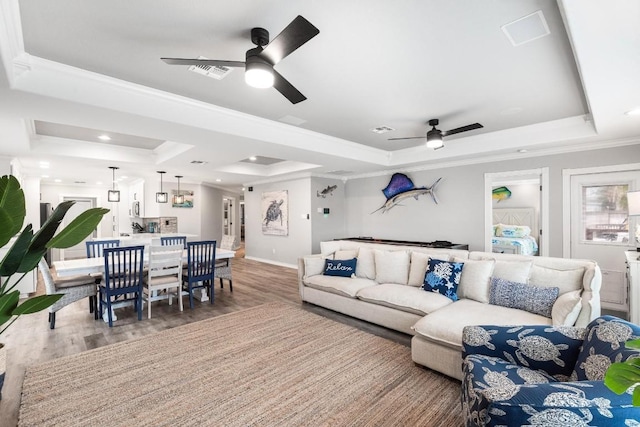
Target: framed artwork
<point>275,213</point>
<point>188,199</point>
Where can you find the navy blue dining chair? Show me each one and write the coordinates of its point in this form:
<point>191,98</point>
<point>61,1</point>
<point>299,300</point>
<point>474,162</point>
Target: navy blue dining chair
<point>123,279</point>
<point>200,273</point>
<point>95,248</point>
<point>174,240</point>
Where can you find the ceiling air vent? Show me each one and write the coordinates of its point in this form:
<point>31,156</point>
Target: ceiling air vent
<point>217,72</point>
<point>382,129</point>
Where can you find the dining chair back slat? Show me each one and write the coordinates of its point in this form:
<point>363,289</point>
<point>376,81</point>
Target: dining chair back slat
<point>200,267</point>
<point>95,248</point>
<point>164,273</point>
<point>123,273</point>
<point>174,240</point>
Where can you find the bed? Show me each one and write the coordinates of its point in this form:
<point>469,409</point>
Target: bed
<point>515,231</point>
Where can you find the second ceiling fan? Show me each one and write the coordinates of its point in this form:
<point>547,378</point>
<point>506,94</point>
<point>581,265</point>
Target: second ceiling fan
<point>434,136</point>
<point>260,60</point>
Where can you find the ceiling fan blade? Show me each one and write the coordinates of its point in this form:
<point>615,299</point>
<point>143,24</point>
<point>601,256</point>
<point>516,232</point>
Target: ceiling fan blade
<point>462,129</point>
<point>211,62</point>
<point>410,137</point>
<point>297,33</point>
<point>285,88</point>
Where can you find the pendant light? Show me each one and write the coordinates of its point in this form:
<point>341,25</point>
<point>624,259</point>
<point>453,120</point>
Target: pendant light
<point>179,198</point>
<point>161,197</point>
<point>113,195</point>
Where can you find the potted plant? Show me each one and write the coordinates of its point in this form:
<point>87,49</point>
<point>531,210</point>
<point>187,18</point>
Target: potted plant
<point>28,248</point>
<point>622,375</point>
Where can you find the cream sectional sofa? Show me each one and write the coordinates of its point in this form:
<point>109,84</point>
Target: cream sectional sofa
<point>386,290</point>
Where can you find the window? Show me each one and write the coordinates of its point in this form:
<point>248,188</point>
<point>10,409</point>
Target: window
<point>605,213</point>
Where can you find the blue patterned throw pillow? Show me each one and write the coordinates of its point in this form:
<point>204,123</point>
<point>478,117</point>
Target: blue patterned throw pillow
<point>443,277</point>
<point>340,267</point>
<point>534,299</point>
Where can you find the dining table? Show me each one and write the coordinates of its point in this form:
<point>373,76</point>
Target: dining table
<point>74,267</point>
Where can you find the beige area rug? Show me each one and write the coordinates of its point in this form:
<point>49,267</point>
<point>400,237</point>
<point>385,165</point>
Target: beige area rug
<point>271,365</point>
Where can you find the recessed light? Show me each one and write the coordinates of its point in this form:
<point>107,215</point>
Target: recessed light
<point>634,112</point>
<point>99,183</point>
<point>104,138</point>
<point>124,177</point>
<point>522,150</point>
<point>218,180</point>
<point>45,176</point>
<point>57,180</point>
<point>44,165</point>
<point>253,158</point>
<point>242,188</point>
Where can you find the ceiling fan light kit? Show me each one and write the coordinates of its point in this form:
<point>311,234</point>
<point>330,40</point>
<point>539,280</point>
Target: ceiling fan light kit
<point>260,60</point>
<point>434,136</point>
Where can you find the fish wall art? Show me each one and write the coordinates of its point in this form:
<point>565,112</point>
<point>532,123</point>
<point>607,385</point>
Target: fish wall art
<point>327,191</point>
<point>500,193</point>
<point>401,187</point>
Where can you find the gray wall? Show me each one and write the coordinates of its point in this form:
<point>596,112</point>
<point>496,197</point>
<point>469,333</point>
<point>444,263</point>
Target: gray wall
<point>460,215</point>
<point>211,216</point>
<point>279,249</point>
<point>333,225</point>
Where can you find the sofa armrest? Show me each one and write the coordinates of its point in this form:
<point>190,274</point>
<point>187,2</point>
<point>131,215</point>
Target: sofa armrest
<point>553,349</point>
<point>567,403</point>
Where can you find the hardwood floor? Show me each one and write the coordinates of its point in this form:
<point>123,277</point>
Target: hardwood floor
<point>30,341</point>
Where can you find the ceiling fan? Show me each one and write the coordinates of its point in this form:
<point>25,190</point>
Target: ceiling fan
<point>260,60</point>
<point>434,136</point>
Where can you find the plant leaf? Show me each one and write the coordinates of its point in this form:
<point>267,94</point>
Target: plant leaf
<point>14,256</point>
<point>622,375</point>
<point>35,304</point>
<point>634,344</point>
<point>78,229</point>
<point>4,319</point>
<point>12,208</point>
<point>8,302</point>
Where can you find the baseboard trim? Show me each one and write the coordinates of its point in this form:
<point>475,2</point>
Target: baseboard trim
<point>270,261</point>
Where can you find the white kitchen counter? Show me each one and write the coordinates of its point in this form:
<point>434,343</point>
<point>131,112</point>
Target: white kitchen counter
<point>145,238</point>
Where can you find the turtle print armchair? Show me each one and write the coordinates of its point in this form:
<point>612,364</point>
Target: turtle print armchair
<point>545,375</point>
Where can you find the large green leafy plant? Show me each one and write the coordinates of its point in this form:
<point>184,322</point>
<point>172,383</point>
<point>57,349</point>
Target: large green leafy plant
<point>29,247</point>
<point>622,375</point>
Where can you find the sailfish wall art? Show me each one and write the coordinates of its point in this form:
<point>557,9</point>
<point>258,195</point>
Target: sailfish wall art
<point>401,187</point>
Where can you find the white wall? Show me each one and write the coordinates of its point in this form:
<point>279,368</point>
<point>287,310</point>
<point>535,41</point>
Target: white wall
<point>279,249</point>
<point>460,215</point>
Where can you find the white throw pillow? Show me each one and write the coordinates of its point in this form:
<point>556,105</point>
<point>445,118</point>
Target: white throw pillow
<point>566,309</point>
<point>313,265</point>
<point>327,248</point>
<point>418,268</point>
<point>366,265</point>
<point>512,271</point>
<point>392,266</point>
<point>565,280</point>
<point>475,280</point>
<point>342,255</point>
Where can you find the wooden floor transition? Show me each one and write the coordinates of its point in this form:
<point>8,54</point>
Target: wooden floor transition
<point>30,340</point>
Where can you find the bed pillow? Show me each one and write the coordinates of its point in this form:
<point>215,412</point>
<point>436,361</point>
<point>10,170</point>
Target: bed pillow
<point>392,266</point>
<point>443,277</point>
<point>518,231</point>
<point>366,267</point>
<point>418,268</point>
<point>475,279</point>
<point>340,267</point>
<point>349,254</point>
<point>566,309</point>
<point>533,299</point>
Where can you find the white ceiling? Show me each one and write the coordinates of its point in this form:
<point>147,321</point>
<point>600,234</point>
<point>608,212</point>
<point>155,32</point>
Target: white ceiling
<point>83,65</point>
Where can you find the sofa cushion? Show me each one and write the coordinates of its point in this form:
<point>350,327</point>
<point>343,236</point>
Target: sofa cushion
<point>533,299</point>
<point>328,248</point>
<point>346,286</point>
<point>513,271</point>
<point>405,298</point>
<point>313,265</point>
<point>444,326</point>
<point>418,267</point>
<point>340,267</point>
<point>475,279</point>
<point>392,266</point>
<point>566,309</point>
<point>347,254</point>
<point>565,280</point>
<point>443,277</point>
<point>603,345</point>
<point>366,267</point>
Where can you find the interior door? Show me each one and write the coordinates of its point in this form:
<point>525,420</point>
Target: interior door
<point>228,217</point>
<point>600,227</point>
<point>81,205</point>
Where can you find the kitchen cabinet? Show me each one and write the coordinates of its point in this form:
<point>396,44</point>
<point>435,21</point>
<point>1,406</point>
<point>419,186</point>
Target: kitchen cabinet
<point>136,199</point>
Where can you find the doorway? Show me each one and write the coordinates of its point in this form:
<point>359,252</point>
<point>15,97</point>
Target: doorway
<point>536,178</point>
<point>597,224</point>
<point>82,204</point>
<point>228,215</point>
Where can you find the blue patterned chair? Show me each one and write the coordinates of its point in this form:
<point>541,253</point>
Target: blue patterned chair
<point>546,376</point>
